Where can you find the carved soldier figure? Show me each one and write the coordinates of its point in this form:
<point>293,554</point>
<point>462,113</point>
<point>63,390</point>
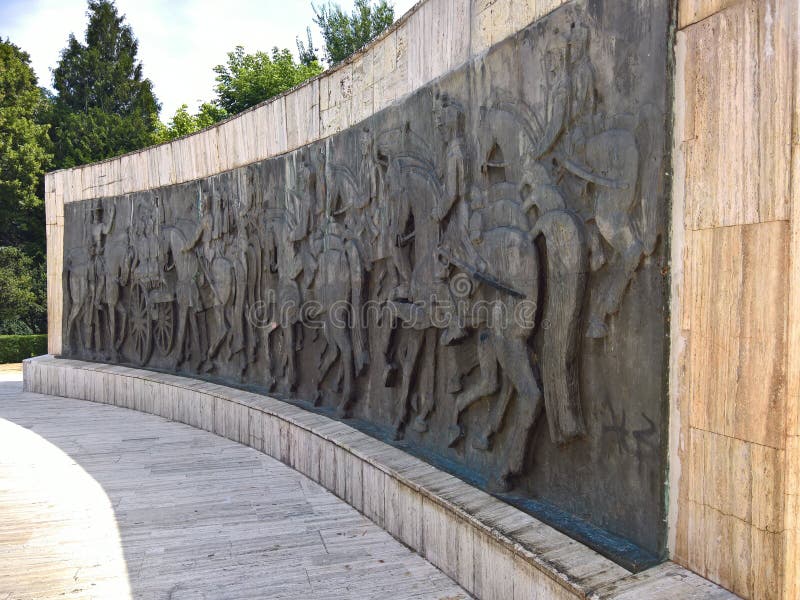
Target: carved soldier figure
<point>306,198</point>
<point>203,234</point>
<point>247,272</point>
<point>340,270</point>
<point>99,231</point>
<point>189,303</point>
<point>570,81</point>
<point>451,212</point>
<point>217,270</point>
<point>289,265</point>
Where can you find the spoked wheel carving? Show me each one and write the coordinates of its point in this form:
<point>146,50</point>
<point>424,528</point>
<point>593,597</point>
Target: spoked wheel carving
<point>164,327</point>
<point>140,325</point>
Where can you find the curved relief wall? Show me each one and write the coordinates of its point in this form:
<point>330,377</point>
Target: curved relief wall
<point>476,272</point>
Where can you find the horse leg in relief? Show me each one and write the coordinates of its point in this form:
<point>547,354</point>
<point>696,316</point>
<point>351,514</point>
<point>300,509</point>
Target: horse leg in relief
<point>512,354</point>
<point>266,330</point>
<point>359,342</point>
<point>123,323</point>
<point>237,325</point>
<point>97,332</point>
<point>495,422</point>
<point>253,286</point>
<point>487,359</point>
<point>426,381</point>
<point>288,347</point>
<point>608,298</point>
<point>487,385</point>
<point>219,317</point>
<point>75,311</point>
<point>388,368</point>
<point>331,352</point>
<point>112,298</point>
<point>180,337</point>
<point>342,338</point>
<point>409,361</point>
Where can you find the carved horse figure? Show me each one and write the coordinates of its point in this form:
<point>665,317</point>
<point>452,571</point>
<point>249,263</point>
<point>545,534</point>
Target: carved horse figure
<point>504,319</point>
<point>622,165</point>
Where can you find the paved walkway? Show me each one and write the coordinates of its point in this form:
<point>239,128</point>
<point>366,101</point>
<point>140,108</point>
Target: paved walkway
<point>102,502</point>
<point>11,372</point>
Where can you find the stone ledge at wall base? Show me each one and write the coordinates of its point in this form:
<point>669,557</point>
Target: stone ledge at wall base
<point>492,549</point>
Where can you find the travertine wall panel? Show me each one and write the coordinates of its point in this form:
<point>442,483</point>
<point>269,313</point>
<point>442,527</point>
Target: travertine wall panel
<point>440,28</point>
<point>230,143</point>
<point>390,68</point>
<point>362,88</point>
<point>693,11</point>
<point>336,101</point>
<point>275,123</point>
<point>737,318</point>
<point>791,522</point>
<point>737,140</point>
<point>493,20</point>
<point>161,165</point>
<point>55,297</point>
<point>302,117</point>
<point>735,337</point>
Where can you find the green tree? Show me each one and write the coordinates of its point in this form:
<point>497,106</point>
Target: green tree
<point>184,123</point>
<point>307,53</point>
<point>247,79</point>
<point>104,106</point>
<point>345,34</point>
<point>23,308</point>
<point>24,152</point>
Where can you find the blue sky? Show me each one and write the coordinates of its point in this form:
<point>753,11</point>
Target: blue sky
<point>180,41</point>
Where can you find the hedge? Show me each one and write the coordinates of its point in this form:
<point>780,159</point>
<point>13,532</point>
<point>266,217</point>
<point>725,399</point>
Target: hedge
<point>16,348</point>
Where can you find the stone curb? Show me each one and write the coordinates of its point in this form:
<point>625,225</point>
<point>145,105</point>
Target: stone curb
<point>490,548</point>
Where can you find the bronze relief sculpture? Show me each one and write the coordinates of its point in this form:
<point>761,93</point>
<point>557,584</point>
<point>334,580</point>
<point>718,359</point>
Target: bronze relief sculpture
<point>473,273</point>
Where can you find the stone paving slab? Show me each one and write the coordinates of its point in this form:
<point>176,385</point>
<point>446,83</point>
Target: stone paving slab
<point>11,372</point>
<point>102,502</point>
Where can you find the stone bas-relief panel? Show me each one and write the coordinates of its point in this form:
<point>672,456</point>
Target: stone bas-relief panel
<point>477,273</point>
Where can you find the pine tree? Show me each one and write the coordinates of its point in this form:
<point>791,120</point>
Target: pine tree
<point>104,105</point>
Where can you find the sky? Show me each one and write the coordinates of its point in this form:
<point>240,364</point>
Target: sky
<point>180,41</point>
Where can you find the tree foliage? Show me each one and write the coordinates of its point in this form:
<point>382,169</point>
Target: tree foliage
<point>247,79</point>
<point>104,105</point>
<point>184,123</point>
<point>306,52</point>
<point>345,34</point>
<point>23,308</point>
<point>24,151</point>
